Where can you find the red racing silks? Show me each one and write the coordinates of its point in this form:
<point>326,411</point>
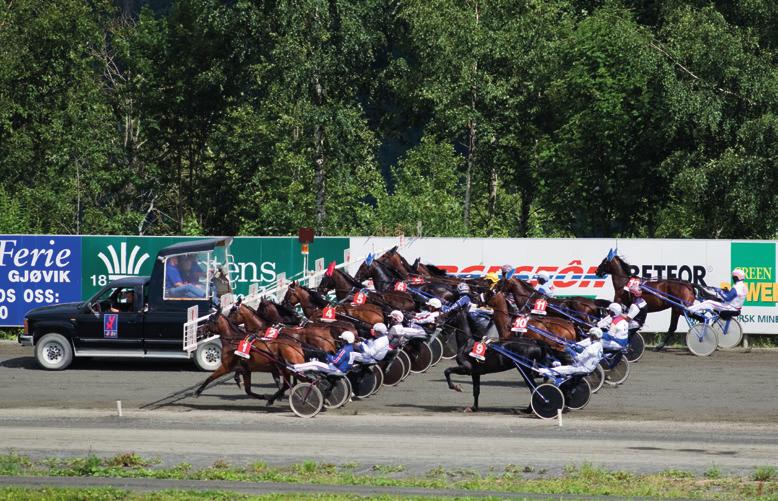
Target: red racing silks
<point>400,286</point>
<point>270,334</point>
<point>632,282</point>
<point>479,351</point>
<point>520,324</point>
<point>244,347</point>
<point>539,308</point>
<point>359,298</point>
<point>328,314</point>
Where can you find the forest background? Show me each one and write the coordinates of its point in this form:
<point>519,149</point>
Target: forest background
<point>504,118</point>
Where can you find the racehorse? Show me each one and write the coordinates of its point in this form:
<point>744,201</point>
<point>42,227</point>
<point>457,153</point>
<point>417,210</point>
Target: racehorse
<point>344,284</point>
<point>493,363</point>
<point>269,357</point>
<point>575,306</point>
<point>682,291</point>
<point>558,327</point>
<point>312,303</point>
<point>315,336</point>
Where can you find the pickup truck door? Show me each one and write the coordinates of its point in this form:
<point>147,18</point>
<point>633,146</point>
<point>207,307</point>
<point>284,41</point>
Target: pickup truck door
<point>164,324</point>
<point>118,325</point>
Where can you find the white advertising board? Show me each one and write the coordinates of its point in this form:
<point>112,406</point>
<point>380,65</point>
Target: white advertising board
<point>572,264</point>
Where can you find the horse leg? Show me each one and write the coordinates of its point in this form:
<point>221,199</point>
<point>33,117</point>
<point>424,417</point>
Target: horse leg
<point>476,392</point>
<point>674,316</point>
<point>247,386</point>
<point>223,369</point>
<point>282,387</point>
<point>462,371</point>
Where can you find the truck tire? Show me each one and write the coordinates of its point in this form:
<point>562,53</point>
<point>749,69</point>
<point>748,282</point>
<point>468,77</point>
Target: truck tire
<point>208,356</point>
<point>53,352</point>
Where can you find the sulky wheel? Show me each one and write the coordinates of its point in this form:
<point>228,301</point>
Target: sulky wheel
<point>437,350</point>
<point>702,339</point>
<point>449,341</point>
<point>306,400</point>
<point>596,378</point>
<point>336,390</point>
<point>577,393</point>
<point>729,333</point>
<point>363,382</point>
<point>394,371</point>
<point>636,347</point>
<point>547,400</point>
<point>421,356</point>
<point>619,373</point>
<point>379,378</point>
<point>406,363</point>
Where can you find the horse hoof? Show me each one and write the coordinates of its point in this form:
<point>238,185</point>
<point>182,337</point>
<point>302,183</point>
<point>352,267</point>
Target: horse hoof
<point>470,410</point>
<point>659,347</point>
<point>456,387</point>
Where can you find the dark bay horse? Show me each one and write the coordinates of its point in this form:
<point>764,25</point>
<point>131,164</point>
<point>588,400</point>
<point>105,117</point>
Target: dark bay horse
<point>344,285</point>
<point>315,336</point>
<point>495,362</point>
<point>312,304</point>
<point>577,306</point>
<point>269,357</point>
<point>618,269</point>
<point>557,327</point>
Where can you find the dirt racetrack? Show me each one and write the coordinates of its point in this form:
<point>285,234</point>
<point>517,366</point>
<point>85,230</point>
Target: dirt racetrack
<point>676,410</point>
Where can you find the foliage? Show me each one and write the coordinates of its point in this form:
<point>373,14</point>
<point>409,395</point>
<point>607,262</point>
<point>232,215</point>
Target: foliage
<point>477,118</point>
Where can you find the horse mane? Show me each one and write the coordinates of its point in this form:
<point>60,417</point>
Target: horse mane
<point>316,298</point>
<point>284,311</point>
<point>623,265</point>
<point>435,270</point>
<point>353,281</point>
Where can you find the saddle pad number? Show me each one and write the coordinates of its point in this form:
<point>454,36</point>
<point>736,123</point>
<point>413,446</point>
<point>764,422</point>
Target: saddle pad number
<point>520,324</point>
<point>479,351</point>
<point>632,283</point>
<point>270,334</point>
<point>417,280</point>
<point>359,298</point>
<point>401,287</point>
<point>540,307</point>
<point>328,315</point>
<point>244,347</point>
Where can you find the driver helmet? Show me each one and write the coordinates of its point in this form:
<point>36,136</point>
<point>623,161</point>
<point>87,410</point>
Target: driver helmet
<point>492,277</point>
<point>543,277</point>
<point>348,337</point>
<point>635,291</point>
<point>739,274</point>
<point>463,288</point>
<point>595,332</point>
<point>435,303</point>
<point>615,308</point>
<point>378,329</point>
<point>397,316</point>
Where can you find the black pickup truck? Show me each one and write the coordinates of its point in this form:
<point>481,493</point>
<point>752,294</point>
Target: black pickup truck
<point>136,317</point>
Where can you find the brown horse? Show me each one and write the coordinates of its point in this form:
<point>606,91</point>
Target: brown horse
<point>272,357</point>
<point>682,290</point>
<point>558,327</point>
<point>316,336</point>
<point>344,284</point>
<point>312,304</point>
<point>576,306</point>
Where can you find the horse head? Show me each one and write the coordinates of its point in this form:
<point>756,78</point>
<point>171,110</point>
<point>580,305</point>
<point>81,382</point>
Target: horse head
<point>327,284</point>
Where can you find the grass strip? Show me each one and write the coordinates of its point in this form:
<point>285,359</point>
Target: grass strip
<point>584,480</point>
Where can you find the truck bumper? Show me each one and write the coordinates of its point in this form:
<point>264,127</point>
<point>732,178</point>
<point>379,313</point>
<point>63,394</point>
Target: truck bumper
<point>25,340</point>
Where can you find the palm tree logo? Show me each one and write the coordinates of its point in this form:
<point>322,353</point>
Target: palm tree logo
<point>120,265</point>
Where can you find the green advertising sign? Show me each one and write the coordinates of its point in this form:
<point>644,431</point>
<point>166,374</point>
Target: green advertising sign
<point>757,259</point>
<point>256,259</point>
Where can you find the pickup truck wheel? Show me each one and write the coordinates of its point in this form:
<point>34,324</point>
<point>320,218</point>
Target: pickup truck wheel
<point>53,352</point>
<point>208,356</point>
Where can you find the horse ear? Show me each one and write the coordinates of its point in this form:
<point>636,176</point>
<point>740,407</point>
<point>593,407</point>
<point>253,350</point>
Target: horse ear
<point>239,301</point>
